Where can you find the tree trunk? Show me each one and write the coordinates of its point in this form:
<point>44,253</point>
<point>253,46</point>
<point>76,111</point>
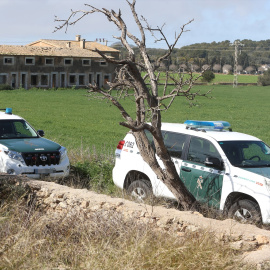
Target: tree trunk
<point>169,175</point>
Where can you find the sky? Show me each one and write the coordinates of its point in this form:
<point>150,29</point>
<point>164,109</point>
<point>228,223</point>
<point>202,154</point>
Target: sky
<point>25,21</point>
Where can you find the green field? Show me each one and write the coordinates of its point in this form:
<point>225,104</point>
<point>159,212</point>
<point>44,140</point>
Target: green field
<point>221,78</point>
<point>70,118</point>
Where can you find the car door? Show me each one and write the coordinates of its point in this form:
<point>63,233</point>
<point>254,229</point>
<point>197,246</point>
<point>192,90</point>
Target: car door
<point>201,171</point>
<point>175,144</point>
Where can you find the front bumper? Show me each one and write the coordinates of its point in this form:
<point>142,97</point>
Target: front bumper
<point>36,172</point>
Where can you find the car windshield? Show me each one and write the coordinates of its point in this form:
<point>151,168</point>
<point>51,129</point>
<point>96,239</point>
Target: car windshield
<point>247,153</point>
<point>14,129</point>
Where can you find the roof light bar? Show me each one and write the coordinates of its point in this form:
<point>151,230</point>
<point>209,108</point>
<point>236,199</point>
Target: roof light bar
<point>216,125</point>
<point>7,110</point>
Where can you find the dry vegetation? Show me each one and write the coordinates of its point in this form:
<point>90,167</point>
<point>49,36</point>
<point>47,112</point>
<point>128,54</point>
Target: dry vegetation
<point>29,239</point>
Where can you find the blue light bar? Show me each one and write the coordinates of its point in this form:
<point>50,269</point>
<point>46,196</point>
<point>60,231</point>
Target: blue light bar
<point>8,110</point>
<point>216,125</point>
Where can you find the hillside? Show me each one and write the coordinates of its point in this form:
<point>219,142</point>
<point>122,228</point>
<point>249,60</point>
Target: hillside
<point>253,53</point>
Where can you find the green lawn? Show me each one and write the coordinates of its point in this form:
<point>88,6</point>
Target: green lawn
<point>221,78</point>
<point>245,107</point>
<point>67,116</point>
<point>70,118</point>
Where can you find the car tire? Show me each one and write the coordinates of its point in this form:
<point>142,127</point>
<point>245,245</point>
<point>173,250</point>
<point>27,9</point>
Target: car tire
<point>245,211</point>
<point>140,190</point>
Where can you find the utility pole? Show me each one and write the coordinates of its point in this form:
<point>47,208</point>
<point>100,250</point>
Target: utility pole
<point>105,41</point>
<point>236,43</point>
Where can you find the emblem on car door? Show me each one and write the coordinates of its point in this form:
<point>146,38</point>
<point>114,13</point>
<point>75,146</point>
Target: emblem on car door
<point>199,182</point>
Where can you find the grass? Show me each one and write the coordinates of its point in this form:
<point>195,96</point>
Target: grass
<point>30,239</point>
<point>241,78</point>
<point>223,78</point>
<point>70,118</point>
<point>245,107</point>
<point>67,116</point>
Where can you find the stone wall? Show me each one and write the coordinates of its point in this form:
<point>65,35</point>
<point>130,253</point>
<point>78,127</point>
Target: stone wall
<point>58,201</point>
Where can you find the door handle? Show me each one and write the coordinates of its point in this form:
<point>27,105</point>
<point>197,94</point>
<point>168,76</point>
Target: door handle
<point>186,170</point>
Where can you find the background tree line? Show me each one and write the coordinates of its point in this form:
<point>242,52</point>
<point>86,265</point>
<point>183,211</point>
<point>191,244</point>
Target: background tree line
<point>218,56</point>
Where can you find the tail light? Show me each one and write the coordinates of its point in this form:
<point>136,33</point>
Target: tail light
<point>120,145</point>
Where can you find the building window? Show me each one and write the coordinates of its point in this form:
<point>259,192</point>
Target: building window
<point>3,78</point>
<point>14,78</point>
<point>107,78</point>
<point>34,80</point>
<point>23,82</point>
<point>68,61</point>
<point>8,60</point>
<point>90,78</point>
<point>63,80</point>
<point>44,80</point>
<point>103,63</point>
<point>29,60</point>
<point>81,80</point>
<point>86,62</point>
<point>72,79</point>
<point>49,61</point>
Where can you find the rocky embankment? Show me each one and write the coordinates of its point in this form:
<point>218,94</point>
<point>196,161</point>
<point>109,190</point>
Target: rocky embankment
<point>57,200</point>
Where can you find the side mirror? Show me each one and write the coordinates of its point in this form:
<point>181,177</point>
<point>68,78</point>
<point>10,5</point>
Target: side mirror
<point>41,133</point>
<point>214,162</point>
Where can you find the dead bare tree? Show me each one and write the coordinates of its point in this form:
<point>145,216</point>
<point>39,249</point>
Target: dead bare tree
<point>149,100</point>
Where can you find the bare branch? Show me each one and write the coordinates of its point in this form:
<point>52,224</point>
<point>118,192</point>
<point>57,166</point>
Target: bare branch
<point>129,83</point>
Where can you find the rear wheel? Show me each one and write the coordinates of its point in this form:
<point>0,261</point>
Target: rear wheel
<point>245,211</point>
<point>140,190</point>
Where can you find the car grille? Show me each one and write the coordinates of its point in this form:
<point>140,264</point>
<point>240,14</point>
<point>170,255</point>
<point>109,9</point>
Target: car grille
<point>41,159</point>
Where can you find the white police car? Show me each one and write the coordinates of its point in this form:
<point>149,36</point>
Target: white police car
<point>23,150</point>
<point>227,170</point>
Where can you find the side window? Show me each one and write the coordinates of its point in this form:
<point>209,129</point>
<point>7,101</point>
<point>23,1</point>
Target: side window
<point>149,136</point>
<point>175,143</point>
<point>200,149</point>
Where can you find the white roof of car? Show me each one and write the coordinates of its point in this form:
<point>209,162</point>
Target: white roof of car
<point>5,116</point>
<point>223,135</point>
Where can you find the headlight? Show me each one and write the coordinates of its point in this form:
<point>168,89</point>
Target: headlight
<point>15,155</point>
<point>63,153</point>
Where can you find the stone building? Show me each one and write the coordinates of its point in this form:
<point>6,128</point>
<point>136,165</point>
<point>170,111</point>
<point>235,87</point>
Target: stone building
<point>56,63</point>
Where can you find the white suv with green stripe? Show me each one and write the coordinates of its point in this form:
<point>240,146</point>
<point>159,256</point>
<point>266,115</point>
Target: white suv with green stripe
<point>227,170</point>
<point>23,151</point>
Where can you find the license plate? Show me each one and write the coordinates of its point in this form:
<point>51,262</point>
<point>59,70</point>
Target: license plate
<point>44,171</point>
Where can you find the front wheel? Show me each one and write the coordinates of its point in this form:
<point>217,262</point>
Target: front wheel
<point>140,190</point>
<point>245,211</point>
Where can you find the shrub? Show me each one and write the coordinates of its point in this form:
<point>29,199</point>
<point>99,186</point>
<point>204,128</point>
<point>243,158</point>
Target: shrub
<point>264,79</point>
<point>11,188</point>
<point>90,170</point>
<point>208,76</point>
<point>5,87</point>
<point>95,174</point>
